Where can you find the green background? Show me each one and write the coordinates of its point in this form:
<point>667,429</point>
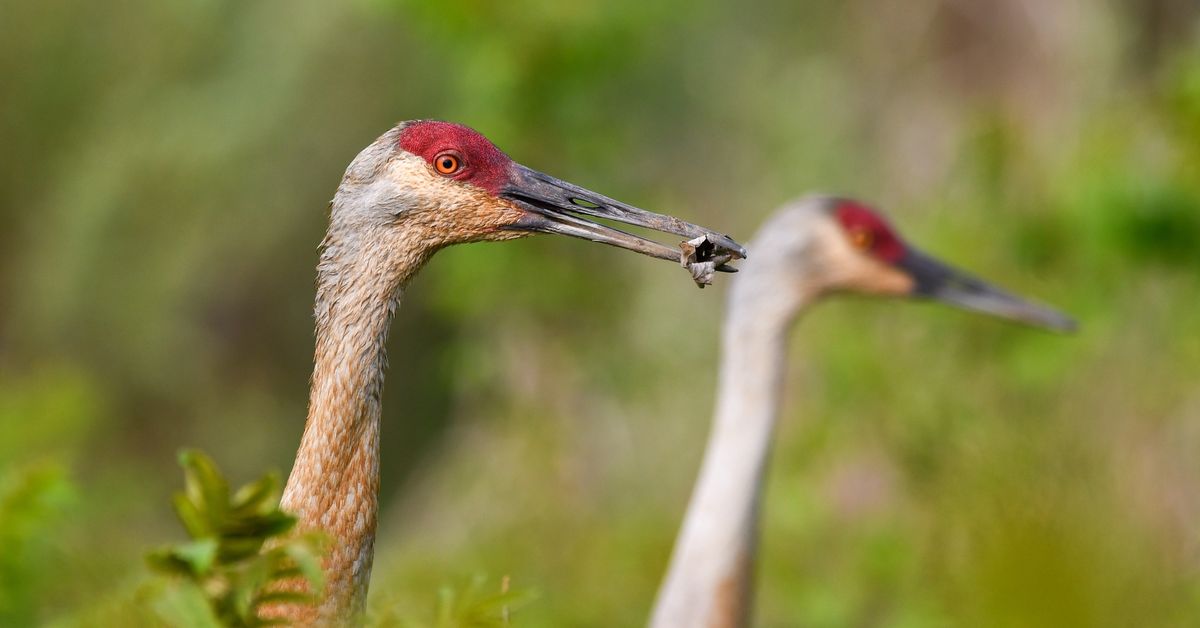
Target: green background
<point>164,181</point>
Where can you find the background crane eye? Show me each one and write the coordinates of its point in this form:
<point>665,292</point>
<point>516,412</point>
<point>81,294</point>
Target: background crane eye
<point>862,239</point>
<point>447,163</point>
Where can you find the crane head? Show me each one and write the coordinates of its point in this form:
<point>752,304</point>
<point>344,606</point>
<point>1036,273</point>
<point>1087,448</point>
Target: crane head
<point>861,252</point>
<point>456,186</point>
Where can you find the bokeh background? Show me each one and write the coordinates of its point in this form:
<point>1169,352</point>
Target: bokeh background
<point>164,181</point>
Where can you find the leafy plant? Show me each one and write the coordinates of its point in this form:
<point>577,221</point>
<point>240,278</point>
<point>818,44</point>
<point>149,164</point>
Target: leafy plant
<point>469,606</point>
<point>35,501</point>
<point>239,553</point>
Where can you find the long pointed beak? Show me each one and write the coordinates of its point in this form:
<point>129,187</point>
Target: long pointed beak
<point>555,206</point>
<point>937,280</point>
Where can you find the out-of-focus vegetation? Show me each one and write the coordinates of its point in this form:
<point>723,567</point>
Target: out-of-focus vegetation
<point>238,556</point>
<point>164,179</point>
<point>475,603</point>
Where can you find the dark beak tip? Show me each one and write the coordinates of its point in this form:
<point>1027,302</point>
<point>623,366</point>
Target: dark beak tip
<point>1066,326</point>
<point>733,247</point>
<point>1049,319</point>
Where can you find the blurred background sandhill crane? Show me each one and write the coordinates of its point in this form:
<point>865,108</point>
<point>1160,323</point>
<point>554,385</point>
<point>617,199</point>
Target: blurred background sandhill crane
<point>421,186</point>
<point>810,249</point>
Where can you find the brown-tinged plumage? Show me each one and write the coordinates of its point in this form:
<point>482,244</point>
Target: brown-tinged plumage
<point>421,186</point>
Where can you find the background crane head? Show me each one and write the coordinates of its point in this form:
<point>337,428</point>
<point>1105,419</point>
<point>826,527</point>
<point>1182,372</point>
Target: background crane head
<point>449,184</point>
<point>851,248</point>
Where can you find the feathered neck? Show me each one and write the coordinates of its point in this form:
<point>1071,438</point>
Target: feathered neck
<point>710,578</point>
<point>334,483</point>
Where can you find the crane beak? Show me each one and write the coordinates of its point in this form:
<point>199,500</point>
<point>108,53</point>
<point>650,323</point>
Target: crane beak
<point>552,205</point>
<point>939,281</point>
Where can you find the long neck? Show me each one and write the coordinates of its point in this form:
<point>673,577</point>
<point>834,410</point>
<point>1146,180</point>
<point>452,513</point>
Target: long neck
<point>334,484</point>
<point>710,579</point>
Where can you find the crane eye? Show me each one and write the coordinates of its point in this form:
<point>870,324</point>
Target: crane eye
<point>862,238</point>
<point>447,163</point>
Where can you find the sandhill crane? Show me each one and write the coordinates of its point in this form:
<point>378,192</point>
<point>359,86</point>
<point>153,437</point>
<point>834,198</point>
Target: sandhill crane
<point>421,186</point>
<point>811,248</point>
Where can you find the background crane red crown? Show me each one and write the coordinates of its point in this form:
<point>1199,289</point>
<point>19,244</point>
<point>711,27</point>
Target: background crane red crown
<point>882,243</point>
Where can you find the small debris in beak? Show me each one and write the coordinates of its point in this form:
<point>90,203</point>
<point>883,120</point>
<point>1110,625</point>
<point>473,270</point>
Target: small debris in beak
<point>702,257</point>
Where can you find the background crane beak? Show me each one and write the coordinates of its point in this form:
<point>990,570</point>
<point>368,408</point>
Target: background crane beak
<point>939,281</point>
<point>555,206</point>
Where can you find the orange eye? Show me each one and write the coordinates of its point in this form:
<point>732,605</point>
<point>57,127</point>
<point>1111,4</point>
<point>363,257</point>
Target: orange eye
<point>862,239</point>
<point>447,163</point>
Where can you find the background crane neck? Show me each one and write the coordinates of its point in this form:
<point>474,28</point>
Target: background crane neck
<point>710,579</point>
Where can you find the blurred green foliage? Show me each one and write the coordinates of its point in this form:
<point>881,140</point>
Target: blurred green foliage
<point>34,502</point>
<point>227,573</point>
<point>164,183</point>
<point>472,604</point>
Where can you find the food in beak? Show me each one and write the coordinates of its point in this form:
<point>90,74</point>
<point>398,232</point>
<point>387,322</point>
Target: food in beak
<point>555,206</point>
<point>704,258</point>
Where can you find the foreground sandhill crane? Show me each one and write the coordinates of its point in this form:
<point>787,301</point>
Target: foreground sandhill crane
<point>421,186</point>
<point>810,249</point>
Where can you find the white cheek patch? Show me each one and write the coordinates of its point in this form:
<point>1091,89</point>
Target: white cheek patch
<point>410,185</point>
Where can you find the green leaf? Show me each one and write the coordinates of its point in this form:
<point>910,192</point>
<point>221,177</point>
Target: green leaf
<point>164,561</point>
<point>198,556</point>
<point>286,572</point>
<point>257,497</point>
<point>206,488</point>
<point>184,604</point>
<point>196,523</point>
<point>306,554</point>
<point>261,526</point>
<point>226,562</point>
<point>237,550</point>
<point>246,590</point>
